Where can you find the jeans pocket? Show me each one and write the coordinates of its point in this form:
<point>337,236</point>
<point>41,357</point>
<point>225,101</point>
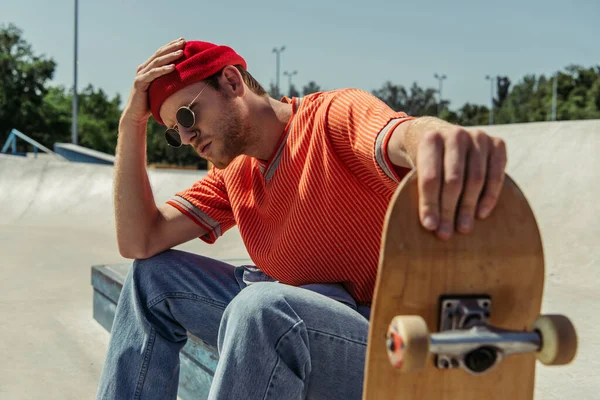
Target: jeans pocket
<point>249,274</point>
<point>334,291</point>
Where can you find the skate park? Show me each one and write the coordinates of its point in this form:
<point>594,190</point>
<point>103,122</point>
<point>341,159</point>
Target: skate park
<point>57,223</point>
<point>69,69</point>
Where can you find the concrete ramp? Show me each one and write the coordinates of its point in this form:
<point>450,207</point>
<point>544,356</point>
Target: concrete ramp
<point>556,165</point>
<point>64,196</point>
<point>56,221</point>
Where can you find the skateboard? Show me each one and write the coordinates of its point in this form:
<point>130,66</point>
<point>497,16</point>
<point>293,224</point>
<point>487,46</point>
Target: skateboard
<point>460,319</point>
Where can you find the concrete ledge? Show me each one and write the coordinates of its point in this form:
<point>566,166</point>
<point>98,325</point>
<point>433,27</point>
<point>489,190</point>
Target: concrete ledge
<point>198,359</point>
<point>76,153</point>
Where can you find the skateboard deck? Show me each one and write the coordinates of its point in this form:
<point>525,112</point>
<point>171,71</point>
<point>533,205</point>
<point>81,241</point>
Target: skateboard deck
<point>493,276</point>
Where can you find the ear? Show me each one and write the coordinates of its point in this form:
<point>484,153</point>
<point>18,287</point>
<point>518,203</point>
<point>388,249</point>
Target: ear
<point>231,82</point>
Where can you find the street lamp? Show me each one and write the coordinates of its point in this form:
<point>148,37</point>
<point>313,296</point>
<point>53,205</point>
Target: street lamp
<point>278,52</point>
<point>289,75</point>
<point>492,80</point>
<point>74,118</point>
<point>440,79</point>
<point>554,95</point>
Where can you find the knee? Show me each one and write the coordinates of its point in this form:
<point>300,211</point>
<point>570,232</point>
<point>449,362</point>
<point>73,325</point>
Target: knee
<point>261,303</point>
<point>256,297</point>
<point>262,317</point>
<point>261,311</point>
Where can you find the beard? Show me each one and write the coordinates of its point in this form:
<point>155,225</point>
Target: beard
<point>234,135</point>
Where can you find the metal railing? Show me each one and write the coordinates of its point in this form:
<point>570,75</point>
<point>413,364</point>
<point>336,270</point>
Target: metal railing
<point>12,143</point>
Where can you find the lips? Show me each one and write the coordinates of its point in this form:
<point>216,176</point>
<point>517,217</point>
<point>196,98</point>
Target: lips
<point>203,149</point>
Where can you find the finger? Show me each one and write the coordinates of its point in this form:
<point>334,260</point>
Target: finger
<point>167,48</point>
<point>476,171</point>
<point>142,82</point>
<point>162,61</point>
<point>495,178</point>
<point>429,167</point>
<point>454,173</point>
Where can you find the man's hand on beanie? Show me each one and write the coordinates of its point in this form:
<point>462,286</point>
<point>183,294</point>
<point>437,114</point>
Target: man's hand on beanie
<point>200,60</point>
<point>137,110</point>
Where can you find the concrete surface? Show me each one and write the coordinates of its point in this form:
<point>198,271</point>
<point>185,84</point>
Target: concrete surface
<point>56,221</point>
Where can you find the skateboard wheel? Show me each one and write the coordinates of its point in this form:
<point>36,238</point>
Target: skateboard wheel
<point>408,343</point>
<point>558,337</point>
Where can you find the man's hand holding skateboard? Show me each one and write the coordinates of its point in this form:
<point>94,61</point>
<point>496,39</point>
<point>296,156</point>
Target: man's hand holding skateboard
<point>460,172</point>
<point>434,309</point>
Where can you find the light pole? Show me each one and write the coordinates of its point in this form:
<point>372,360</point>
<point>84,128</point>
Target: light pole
<point>440,79</point>
<point>491,79</point>
<point>554,95</point>
<point>289,75</point>
<point>74,118</point>
<point>278,52</point>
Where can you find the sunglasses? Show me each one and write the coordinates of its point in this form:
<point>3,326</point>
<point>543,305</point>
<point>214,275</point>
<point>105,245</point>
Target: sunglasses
<point>186,118</point>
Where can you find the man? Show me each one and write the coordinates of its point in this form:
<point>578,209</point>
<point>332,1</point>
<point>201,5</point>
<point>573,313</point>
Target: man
<point>307,182</point>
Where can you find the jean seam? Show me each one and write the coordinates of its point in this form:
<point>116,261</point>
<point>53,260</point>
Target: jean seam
<point>357,341</point>
<point>271,378</point>
<point>144,369</point>
<point>188,296</point>
<point>278,358</point>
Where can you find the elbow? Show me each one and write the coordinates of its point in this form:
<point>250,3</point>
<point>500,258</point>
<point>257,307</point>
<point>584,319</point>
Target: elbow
<point>139,250</point>
<point>132,250</point>
<point>132,253</point>
<point>136,244</point>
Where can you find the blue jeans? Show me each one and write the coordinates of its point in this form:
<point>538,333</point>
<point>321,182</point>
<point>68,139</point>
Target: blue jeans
<point>274,341</point>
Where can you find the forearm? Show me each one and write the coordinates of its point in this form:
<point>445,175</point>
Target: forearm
<point>404,143</point>
<point>135,208</point>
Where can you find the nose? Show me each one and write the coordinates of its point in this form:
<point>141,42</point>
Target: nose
<point>187,135</point>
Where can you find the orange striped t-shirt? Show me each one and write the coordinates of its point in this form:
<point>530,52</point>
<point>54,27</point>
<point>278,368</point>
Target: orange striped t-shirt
<point>314,212</point>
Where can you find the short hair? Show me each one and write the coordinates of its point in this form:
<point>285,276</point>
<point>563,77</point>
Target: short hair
<point>249,80</point>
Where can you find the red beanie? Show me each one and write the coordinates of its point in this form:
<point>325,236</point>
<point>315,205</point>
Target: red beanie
<point>199,61</point>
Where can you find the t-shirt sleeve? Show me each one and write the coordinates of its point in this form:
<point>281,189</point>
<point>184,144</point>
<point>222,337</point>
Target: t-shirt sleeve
<point>359,126</point>
<point>207,204</point>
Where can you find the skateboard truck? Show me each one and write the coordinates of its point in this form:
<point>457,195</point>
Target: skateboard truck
<point>465,339</point>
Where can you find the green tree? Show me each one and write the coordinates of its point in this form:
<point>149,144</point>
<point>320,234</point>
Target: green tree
<point>592,105</point>
<point>530,99</point>
<point>395,96</point>
<point>473,114</point>
<point>98,120</point>
<point>56,114</point>
<point>577,90</point>
<point>416,101</point>
<point>293,92</point>
<point>23,85</point>
<point>310,88</point>
<point>274,91</point>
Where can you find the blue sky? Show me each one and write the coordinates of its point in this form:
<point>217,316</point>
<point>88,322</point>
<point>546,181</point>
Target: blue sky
<point>338,44</point>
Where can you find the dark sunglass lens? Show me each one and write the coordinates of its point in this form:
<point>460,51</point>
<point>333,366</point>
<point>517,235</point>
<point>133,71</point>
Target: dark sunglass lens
<point>185,117</point>
<point>172,137</point>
